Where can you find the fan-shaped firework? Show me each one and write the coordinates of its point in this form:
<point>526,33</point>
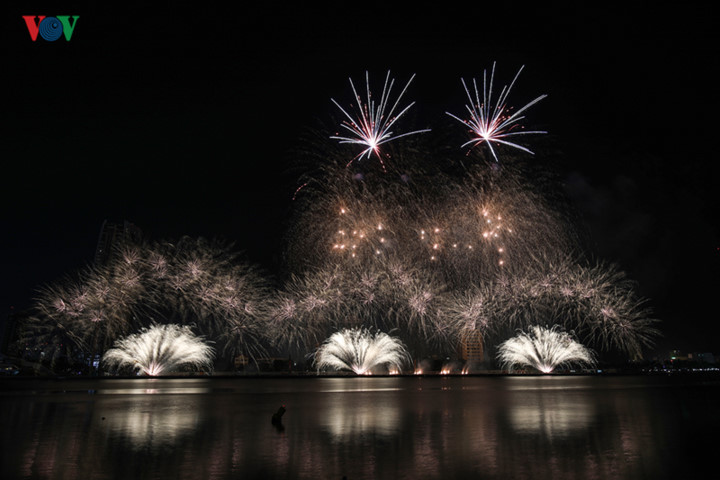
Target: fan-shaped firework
<point>493,122</point>
<point>361,351</point>
<point>371,126</point>
<point>544,349</point>
<point>159,350</point>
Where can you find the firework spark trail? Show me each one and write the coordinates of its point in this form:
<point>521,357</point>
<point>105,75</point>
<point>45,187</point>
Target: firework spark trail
<point>462,231</point>
<point>544,349</point>
<point>310,305</point>
<point>159,350</point>
<point>413,300</point>
<point>205,283</point>
<point>189,281</point>
<point>434,261</point>
<point>470,311</point>
<point>361,351</point>
<point>386,295</point>
<point>493,122</point>
<point>89,310</point>
<point>372,126</point>
<point>398,253</point>
<point>596,302</point>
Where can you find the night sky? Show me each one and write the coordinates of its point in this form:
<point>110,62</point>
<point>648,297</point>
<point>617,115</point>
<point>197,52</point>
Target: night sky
<point>186,118</point>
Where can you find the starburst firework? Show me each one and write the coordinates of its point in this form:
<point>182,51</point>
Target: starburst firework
<point>492,122</point>
<point>371,127</point>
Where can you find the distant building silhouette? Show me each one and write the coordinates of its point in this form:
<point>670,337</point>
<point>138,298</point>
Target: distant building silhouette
<point>112,236</point>
<point>471,347</point>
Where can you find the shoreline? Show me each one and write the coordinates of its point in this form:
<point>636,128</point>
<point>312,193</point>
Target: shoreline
<point>310,375</point>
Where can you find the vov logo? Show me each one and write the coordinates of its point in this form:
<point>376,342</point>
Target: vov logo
<point>51,28</point>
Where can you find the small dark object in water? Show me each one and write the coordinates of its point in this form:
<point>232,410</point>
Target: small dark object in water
<point>277,416</point>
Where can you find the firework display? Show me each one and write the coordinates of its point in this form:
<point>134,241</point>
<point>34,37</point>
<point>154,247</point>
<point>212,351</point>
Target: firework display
<point>361,351</point>
<point>493,123</point>
<point>191,281</point>
<point>371,126</point>
<point>596,301</point>
<point>159,350</point>
<point>424,247</point>
<point>544,349</point>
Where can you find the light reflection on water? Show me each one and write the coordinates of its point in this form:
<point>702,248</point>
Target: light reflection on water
<point>145,425</point>
<point>371,427</point>
<point>345,419</point>
<point>552,418</point>
<point>152,386</point>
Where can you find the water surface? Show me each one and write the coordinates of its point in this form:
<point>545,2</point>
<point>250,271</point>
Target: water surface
<point>539,427</point>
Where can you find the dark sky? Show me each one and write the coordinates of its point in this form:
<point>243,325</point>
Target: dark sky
<point>183,118</point>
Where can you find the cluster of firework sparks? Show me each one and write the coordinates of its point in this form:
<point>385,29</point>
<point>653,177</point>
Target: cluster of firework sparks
<point>434,262</point>
<point>491,120</point>
<point>190,282</point>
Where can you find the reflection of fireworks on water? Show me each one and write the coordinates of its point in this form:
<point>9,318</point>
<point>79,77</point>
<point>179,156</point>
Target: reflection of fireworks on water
<point>493,122</point>
<point>160,424</point>
<point>361,351</point>
<point>544,349</point>
<point>371,127</point>
<point>159,350</point>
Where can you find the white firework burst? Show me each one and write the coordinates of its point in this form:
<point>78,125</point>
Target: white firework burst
<point>371,127</point>
<point>360,351</point>
<point>544,349</point>
<point>492,122</point>
<point>160,349</point>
